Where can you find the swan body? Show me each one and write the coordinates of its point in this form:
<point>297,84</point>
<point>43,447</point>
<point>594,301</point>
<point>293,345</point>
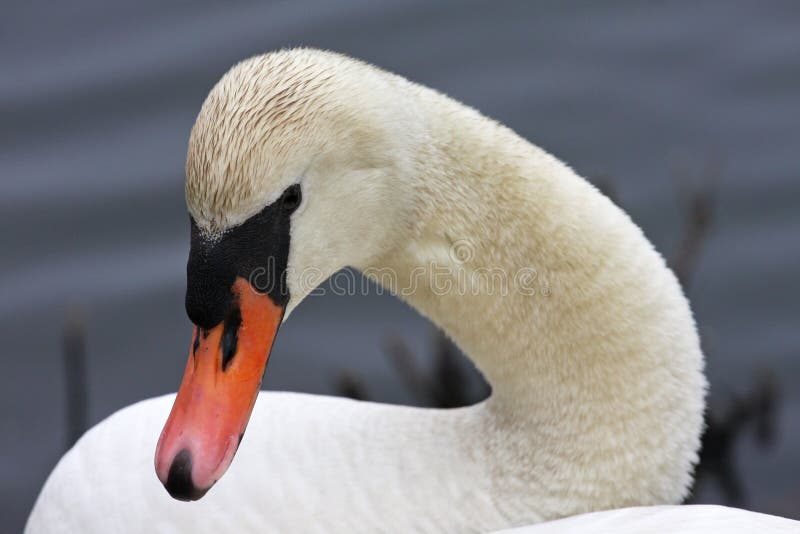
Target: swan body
<point>554,293</point>
<point>694,519</point>
<point>247,500</point>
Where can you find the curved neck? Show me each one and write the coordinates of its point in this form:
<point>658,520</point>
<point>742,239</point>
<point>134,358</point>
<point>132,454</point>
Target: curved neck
<point>563,305</point>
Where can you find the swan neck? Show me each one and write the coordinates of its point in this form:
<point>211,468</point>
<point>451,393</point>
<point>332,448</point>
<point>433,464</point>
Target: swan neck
<point>513,246</point>
<point>561,302</point>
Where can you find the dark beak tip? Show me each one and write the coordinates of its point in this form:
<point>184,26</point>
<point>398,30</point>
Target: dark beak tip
<point>179,480</point>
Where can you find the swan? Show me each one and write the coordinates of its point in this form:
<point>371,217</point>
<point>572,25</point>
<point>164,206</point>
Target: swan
<point>302,162</point>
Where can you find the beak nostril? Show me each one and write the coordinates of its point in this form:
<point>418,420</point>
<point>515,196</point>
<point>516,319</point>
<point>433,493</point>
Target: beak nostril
<point>230,336</point>
<point>196,342</point>
<point>179,480</point>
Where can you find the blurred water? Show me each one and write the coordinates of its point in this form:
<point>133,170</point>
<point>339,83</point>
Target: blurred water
<point>96,103</point>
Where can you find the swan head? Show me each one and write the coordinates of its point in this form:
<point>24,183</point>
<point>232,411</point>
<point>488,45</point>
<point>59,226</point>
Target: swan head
<point>297,166</point>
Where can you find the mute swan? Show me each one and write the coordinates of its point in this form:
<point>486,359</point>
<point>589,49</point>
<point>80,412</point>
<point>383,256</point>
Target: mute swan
<point>302,162</point>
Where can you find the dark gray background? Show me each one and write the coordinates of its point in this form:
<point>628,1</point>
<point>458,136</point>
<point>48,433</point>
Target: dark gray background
<point>97,100</point>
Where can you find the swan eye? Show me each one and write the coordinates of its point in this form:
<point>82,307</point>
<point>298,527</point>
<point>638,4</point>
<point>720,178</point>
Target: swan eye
<point>291,198</point>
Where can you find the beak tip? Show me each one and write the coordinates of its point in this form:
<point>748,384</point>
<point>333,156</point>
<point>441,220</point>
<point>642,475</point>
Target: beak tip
<point>179,482</point>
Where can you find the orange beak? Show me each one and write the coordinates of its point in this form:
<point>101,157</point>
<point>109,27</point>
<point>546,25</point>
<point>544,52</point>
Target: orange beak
<point>217,394</point>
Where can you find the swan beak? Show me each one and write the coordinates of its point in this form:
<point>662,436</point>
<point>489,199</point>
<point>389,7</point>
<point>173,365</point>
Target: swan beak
<point>217,393</point>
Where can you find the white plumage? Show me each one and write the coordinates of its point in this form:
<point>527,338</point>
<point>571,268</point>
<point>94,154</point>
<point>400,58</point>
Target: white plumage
<point>589,343</point>
<point>695,519</point>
